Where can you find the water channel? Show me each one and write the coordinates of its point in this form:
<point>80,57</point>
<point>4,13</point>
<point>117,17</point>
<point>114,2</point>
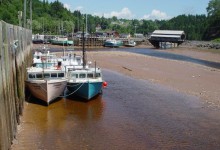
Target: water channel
<point>160,54</point>
<point>131,114</point>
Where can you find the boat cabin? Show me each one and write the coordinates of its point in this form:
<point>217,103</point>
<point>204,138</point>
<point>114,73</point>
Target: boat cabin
<point>84,74</point>
<point>44,65</point>
<point>45,75</point>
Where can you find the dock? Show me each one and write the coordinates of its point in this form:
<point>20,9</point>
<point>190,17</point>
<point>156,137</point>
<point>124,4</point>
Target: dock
<point>15,56</point>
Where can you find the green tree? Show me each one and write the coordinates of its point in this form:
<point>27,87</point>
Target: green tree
<point>213,10</point>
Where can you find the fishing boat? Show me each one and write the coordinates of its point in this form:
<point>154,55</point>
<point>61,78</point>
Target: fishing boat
<point>44,57</point>
<point>46,84</point>
<point>113,43</point>
<point>62,40</point>
<point>130,43</point>
<point>45,79</point>
<point>85,82</point>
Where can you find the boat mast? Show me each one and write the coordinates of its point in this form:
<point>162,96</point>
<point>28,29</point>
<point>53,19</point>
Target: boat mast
<point>83,44</point>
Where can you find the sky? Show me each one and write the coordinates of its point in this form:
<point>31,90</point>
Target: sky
<point>137,9</point>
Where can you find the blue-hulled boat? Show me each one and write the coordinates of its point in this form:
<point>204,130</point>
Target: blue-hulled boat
<point>113,43</point>
<point>85,83</point>
<point>61,41</point>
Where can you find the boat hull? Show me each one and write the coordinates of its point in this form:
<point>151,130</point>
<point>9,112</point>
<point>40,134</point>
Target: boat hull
<point>108,44</point>
<point>130,44</point>
<point>113,43</point>
<point>46,90</point>
<point>86,90</point>
<point>62,42</point>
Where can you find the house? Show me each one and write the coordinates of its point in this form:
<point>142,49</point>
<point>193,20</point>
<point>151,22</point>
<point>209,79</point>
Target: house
<point>112,34</point>
<point>80,33</point>
<point>138,35</point>
<point>100,34</point>
<point>125,35</point>
<point>98,28</point>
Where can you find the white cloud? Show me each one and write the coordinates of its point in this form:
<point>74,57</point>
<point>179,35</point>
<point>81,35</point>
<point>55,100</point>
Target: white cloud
<point>67,6</point>
<point>80,8</point>
<point>156,14</point>
<point>125,13</point>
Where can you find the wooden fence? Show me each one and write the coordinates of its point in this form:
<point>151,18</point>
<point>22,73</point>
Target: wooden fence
<point>15,56</point>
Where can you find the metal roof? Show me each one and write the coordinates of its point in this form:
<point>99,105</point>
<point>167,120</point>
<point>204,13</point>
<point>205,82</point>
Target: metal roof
<point>168,32</point>
<point>167,36</point>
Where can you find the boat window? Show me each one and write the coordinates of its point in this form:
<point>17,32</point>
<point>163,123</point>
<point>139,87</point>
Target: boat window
<point>74,75</point>
<point>60,74</point>
<point>44,65</point>
<point>98,75</point>
<point>90,75</point>
<point>46,75</point>
<point>82,75</point>
<point>39,65</point>
<point>53,75</point>
<point>39,76</point>
<point>47,65</point>
<point>31,76</point>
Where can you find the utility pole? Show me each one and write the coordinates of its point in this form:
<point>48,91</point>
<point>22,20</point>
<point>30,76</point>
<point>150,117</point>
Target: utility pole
<point>24,19</point>
<point>135,30</point>
<point>19,18</point>
<point>31,15</point>
<point>73,31</point>
<point>86,24</point>
<point>78,20</point>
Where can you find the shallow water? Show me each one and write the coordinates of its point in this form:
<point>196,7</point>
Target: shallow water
<point>160,54</point>
<point>131,114</point>
<point>168,55</point>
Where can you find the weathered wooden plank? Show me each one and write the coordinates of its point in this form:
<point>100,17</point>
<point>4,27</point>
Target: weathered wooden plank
<point>13,62</point>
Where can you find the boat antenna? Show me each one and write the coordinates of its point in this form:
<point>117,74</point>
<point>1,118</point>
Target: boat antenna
<point>83,44</point>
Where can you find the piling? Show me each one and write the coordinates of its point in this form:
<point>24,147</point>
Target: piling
<point>15,56</point>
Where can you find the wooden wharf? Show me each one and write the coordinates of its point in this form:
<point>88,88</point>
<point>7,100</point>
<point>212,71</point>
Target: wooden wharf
<point>97,42</point>
<point>15,56</point>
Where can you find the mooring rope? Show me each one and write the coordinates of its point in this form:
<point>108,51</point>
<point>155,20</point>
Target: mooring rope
<point>73,91</point>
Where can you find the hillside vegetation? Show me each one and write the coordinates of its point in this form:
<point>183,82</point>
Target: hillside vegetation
<point>54,18</point>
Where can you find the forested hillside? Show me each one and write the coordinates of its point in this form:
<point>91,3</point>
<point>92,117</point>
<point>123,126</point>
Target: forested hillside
<point>54,18</point>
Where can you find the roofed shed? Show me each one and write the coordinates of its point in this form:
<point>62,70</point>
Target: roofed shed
<point>171,36</point>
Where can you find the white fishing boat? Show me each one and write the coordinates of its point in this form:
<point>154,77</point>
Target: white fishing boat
<point>45,79</point>
<point>130,43</point>
<point>46,84</point>
<point>51,60</point>
<point>70,61</point>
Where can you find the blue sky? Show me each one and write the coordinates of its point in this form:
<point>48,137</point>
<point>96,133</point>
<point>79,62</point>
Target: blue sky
<point>138,9</point>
